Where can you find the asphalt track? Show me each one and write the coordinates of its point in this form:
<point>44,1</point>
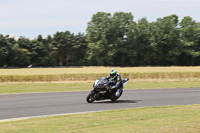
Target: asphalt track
<point>38,104</point>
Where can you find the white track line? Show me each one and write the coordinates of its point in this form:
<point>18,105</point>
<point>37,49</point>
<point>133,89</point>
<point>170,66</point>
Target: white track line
<point>39,116</point>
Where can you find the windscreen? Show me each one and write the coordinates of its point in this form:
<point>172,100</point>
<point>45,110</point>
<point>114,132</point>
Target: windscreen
<point>101,81</point>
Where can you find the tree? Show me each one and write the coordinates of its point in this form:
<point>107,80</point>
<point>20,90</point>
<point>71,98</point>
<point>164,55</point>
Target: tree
<point>64,42</point>
<point>97,35</point>
<point>164,40</point>
<point>142,43</point>
<point>118,38</point>
<point>79,49</point>
<point>190,39</point>
<point>5,49</point>
<point>20,56</point>
<point>106,37</point>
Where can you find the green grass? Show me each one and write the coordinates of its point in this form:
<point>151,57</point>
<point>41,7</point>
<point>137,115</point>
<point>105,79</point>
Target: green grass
<point>26,80</point>
<point>61,87</point>
<point>169,119</point>
<point>184,119</point>
<point>92,73</point>
<point>42,87</point>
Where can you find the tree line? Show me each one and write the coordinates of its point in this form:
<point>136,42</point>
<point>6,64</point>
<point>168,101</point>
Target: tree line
<point>110,40</point>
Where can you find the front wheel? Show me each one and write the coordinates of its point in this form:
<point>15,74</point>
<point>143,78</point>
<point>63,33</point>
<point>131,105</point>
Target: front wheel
<point>91,97</point>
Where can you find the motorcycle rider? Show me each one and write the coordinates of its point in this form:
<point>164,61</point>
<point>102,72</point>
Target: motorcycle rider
<point>116,82</point>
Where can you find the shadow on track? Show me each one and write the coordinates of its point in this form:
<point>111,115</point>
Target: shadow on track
<point>118,101</point>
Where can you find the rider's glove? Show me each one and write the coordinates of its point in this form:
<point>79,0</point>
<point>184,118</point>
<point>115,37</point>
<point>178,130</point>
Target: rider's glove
<point>111,81</point>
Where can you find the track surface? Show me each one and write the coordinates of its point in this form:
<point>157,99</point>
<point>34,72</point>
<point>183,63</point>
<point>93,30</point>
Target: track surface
<point>36,104</point>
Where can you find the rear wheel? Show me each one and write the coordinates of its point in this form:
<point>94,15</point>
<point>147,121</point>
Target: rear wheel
<point>114,99</point>
<point>91,97</point>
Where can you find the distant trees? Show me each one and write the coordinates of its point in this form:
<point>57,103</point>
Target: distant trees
<point>110,40</point>
<point>165,41</point>
<point>107,38</point>
<point>5,49</point>
<point>63,49</point>
<point>190,42</point>
<point>121,41</point>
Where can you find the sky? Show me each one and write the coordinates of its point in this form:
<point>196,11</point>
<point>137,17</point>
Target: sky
<point>30,18</point>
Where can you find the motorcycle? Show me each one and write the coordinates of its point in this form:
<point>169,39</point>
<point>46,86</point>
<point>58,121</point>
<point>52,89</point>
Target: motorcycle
<point>101,90</point>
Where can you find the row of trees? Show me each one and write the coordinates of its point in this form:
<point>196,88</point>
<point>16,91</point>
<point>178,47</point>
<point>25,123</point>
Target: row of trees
<point>63,49</point>
<point>110,40</point>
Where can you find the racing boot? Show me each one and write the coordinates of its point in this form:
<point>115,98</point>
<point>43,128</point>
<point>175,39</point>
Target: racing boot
<point>118,93</point>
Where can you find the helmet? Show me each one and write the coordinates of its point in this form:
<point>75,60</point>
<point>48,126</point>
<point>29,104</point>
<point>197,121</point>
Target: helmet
<point>113,74</point>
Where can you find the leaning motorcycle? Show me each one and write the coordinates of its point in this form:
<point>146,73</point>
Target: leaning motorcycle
<point>101,90</point>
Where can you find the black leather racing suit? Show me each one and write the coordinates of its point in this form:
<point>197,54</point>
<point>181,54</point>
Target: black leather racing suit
<point>116,83</point>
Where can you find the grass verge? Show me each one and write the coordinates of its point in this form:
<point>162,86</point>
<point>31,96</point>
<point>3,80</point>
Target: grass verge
<point>83,86</point>
<point>169,119</point>
<point>93,73</point>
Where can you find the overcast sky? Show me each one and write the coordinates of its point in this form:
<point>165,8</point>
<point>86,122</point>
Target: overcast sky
<point>29,18</point>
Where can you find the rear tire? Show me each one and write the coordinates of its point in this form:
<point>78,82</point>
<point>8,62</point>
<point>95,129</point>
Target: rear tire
<point>91,97</point>
<point>114,99</point>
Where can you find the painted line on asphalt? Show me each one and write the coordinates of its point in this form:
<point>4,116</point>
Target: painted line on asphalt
<point>52,115</point>
<point>40,116</point>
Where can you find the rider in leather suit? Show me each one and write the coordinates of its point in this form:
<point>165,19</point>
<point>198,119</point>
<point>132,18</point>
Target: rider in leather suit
<point>116,82</point>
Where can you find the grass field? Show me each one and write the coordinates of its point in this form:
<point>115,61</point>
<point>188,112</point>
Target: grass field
<point>169,119</point>
<point>184,119</point>
<point>82,78</point>
<point>8,88</point>
<point>92,73</point>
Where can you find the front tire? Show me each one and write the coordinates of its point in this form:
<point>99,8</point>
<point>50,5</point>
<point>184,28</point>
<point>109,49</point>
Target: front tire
<point>91,97</point>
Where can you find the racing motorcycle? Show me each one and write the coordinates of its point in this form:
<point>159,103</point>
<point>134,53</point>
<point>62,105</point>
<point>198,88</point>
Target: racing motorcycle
<point>101,90</point>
